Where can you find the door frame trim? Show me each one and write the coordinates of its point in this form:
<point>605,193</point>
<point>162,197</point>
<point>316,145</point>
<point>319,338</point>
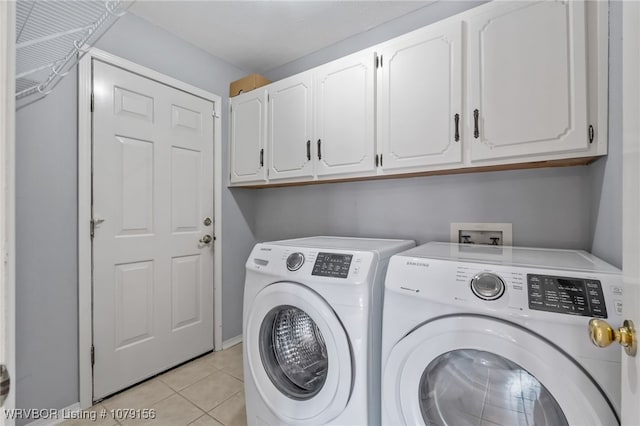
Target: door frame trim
<point>7,199</point>
<point>629,409</point>
<point>85,317</point>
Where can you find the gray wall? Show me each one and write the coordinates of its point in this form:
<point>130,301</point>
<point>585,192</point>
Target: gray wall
<point>46,228</point>
<point>578,207</point>
<point>606,173</point>
<point>46,251</point>
<point>404,24</point>
<point>546,207</point>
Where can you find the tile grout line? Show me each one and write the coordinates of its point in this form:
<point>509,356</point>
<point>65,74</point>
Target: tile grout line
<point>223,401</point>
<point>205,415</point>
<point>198,381</point>
<point>217,419</point>
<point>190,384</point>
<point>132,390</point>
<point>194,404</point>
<point>154,403</point>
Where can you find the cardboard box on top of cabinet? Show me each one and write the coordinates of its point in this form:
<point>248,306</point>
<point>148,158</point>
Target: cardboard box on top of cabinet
<point>247,84</point>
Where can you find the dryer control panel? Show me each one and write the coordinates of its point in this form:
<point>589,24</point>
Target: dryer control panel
<point>566,295</point>
<point>557,295</point>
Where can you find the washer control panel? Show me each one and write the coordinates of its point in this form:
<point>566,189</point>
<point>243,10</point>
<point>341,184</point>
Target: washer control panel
<point>335,265</point>
<point>295,261</point>
<point>312,265</point>
<point>566,295</point>
<point>487,286</point>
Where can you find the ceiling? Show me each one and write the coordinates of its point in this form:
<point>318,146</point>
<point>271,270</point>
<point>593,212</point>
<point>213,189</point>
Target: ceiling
<point>258,36</point>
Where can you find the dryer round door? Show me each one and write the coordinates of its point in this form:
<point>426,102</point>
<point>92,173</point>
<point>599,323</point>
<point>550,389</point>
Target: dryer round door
<point>465,370</point>
<point>298,354</point>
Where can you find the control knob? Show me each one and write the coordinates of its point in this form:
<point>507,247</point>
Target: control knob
<point>487,286</point>
<point>295,261</point>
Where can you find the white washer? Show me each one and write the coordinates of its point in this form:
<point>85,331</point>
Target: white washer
<point>482,335</point>
<point>311,330</point>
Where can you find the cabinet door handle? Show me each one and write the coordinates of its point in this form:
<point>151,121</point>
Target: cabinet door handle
<point>476,131</point>
<point>309,150</point>
<point>319,150</point>
<point>456,120</point>
<point>262,157</point>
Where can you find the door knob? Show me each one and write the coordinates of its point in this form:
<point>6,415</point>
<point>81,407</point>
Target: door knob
<point>5,383</point>
<point>206,239</point>
<point>602,335</point>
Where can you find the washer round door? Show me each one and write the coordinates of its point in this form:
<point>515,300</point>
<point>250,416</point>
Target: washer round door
<point>298,354</point>
<point>470,370</point>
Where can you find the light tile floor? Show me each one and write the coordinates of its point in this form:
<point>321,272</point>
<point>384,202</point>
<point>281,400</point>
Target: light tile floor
<point>208,391</point>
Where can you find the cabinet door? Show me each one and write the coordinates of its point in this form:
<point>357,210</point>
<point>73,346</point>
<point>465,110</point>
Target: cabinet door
<point>248,129</point>
<point>420,95</point>
<point>527,80</point>
<point>289,134</point>
<point>344,115</point>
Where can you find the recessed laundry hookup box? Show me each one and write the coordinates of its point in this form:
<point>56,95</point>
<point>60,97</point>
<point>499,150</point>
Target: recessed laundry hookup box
<point>247,84</point>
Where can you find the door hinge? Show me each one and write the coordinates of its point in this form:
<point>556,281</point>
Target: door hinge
<point>92,101</point>
<point>93,355</point>
<point>591,133</point>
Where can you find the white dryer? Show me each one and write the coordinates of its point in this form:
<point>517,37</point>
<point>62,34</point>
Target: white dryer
<point>312,328</point>
<point>482,335</point>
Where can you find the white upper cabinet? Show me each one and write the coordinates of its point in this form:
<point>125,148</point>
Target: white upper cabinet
<point>505,85</point>
<point>420,98</point>
<point>289,128</point>
<point>344,141</point>
<point>247,133</point>
<point>527,80</point>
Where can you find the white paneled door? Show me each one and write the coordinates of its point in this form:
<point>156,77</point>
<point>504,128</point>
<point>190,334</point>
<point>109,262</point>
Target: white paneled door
<point>152,195</point>
<point>527,80</point>
<point>420,98</point>
<point>344,115</point>
<point>247,133</point>
<point>289,128</point>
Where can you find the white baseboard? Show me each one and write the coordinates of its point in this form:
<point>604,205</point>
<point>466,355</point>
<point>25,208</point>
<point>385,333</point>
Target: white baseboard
<point>232,342</point>
<point>63,415</point>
